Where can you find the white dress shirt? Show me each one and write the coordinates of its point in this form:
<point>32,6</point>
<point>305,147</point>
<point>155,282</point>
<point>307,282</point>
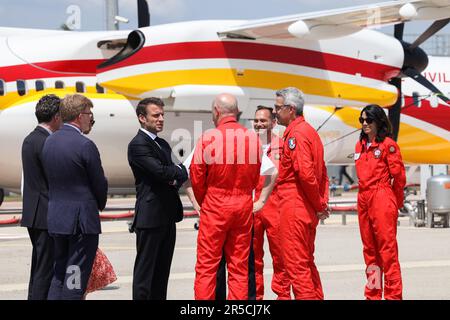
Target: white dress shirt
<point>75,127</point>
<point>47,129</point>
<point>151,135</point>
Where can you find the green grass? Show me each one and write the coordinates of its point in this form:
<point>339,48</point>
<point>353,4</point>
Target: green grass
<point>13,198</point>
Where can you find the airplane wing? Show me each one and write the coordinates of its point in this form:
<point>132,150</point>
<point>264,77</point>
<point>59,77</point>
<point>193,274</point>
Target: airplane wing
<point>339,22</point>
<point>8,32</point>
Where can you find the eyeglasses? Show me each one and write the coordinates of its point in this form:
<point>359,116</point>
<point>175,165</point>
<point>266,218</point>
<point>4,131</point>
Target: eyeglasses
<point>89,113</point>
<point>278,107</point>
<point>367,120</point>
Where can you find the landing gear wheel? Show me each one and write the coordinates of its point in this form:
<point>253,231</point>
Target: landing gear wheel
<point>2,196</point>
<point>197,225</point>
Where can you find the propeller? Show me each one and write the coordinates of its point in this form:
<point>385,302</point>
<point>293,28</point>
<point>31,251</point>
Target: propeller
<point>394,111</point>
<point>416,60</point>
<point>433,29</point>
<point>143,14</point>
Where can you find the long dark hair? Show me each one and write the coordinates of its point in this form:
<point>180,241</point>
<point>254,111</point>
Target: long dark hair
<point>384,127</point>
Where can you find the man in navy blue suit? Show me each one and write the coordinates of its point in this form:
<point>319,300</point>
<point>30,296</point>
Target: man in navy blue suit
<point>158,205</point>
<point>77,192</point>
<point>35,196</point>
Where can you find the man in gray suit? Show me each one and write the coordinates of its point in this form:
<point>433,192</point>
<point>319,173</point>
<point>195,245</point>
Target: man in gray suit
<point>77,192</point>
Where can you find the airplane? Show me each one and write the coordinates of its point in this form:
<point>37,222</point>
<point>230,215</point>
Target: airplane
<point>333,56</point>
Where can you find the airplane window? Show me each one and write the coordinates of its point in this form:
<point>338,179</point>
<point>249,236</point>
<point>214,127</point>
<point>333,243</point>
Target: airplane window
<point>40,86</point>
<point>59,85</point>
<point>416,99</point>
<point>2,88</point>
<point>21,87</point>
<point>80,87</point>
<point>99,88</point>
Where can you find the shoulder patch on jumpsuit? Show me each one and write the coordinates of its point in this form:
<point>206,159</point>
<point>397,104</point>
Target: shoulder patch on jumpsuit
<point>291,143</point>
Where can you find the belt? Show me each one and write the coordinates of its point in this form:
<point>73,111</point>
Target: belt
<point>233,191</point>
<point>374,186</point>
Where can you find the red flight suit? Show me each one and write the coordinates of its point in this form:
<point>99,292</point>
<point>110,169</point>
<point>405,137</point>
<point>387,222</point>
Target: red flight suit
<point>268,219</point>
<point>303,191</point>
<point>224,172</point>
<point>381,175</point>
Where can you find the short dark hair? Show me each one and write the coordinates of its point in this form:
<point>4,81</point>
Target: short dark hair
<point>270,109</point>
<point>47,107</point>
<point>141,107</point>
<point>384,127</point>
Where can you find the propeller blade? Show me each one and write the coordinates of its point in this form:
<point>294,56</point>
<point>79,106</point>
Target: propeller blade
<point>398,31</point>
<point>395,110</point>
<point>414,74</point>
<point>143,14</point>
<point>434,28</point>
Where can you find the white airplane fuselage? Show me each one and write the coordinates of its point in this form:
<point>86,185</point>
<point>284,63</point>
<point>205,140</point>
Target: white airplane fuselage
<point>187,64</point>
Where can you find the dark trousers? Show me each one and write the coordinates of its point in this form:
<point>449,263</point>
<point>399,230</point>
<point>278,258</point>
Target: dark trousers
<point>221,286</point>
<point>74,257</point>
<point>42,260</point>
<point>342,173</point>
<point>155,248</point>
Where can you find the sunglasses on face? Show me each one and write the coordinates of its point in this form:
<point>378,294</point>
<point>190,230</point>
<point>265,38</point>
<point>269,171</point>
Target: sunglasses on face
<point>367,120</point>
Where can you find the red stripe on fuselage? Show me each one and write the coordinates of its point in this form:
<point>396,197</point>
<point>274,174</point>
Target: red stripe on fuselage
<point>51,69</point>
<point>205,50</point>
<point>438,116</point>
<point>259,52</point>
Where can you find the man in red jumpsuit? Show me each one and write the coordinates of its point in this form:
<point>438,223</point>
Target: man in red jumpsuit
<point>224,172</point>
<point>303,192</point>
<point>268,218</point>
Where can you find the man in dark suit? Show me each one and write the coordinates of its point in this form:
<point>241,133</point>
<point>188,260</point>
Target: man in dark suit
<point>35,197</point>
<point>158,205</point>
<point>77,191</point>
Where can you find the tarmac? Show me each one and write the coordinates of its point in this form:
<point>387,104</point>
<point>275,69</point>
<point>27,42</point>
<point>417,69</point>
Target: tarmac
<point>424,258</point>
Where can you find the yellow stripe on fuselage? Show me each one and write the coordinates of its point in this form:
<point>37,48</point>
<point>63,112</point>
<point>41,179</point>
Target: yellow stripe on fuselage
<point>420,146</point>
<point>416,144</point>
<point>137,85</point>
<point>13,98</point>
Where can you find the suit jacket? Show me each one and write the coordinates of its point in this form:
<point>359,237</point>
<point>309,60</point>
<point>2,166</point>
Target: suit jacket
<point>35,185</point>
<point>77,184</point>
<point>157,201</point>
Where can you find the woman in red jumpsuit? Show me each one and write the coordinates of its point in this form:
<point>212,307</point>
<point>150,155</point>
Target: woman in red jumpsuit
<point>381,175</point>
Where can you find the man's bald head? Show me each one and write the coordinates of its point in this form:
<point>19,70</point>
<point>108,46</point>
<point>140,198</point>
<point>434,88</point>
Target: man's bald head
<point>224,105</point>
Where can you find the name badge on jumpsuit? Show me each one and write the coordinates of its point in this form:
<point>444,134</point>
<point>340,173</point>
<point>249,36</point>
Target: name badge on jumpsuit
<point>377,153</point>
